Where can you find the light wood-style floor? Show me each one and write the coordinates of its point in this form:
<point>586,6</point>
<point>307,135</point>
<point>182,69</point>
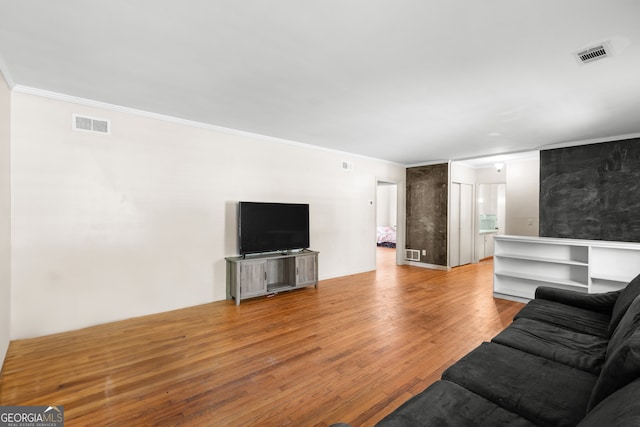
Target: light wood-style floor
<point>351,350</point>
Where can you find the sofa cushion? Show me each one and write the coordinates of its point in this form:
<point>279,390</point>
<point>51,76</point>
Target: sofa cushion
<point>566,316</point>
<point>447,404</point>
<point>622,408</point>
<point>619,369</point>
<point>629,323</point>
<point>628,294</point>
<point>602,302</point>
<point>622,364</point>
<point>541,390</point>
<point>581,351</point>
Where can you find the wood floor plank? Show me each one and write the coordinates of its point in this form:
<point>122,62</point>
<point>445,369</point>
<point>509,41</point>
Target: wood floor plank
<point>351,350</point>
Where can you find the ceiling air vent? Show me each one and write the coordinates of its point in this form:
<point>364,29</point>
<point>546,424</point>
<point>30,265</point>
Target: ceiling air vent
<point>91,124</point>
<point>594,53</point>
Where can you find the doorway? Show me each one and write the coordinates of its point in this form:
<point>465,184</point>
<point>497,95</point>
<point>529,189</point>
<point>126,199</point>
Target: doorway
<point>386,219</point>
<point>491,211</point>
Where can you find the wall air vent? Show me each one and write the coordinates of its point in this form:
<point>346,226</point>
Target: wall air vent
<point>412,255</point>
<point>594,53</point>
<point>90,124</point>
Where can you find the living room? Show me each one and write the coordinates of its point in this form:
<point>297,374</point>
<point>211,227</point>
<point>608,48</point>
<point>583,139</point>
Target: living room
<point>104,226</point>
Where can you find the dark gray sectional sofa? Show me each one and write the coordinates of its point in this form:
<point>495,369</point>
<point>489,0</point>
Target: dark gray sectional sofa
<point>567,359</point>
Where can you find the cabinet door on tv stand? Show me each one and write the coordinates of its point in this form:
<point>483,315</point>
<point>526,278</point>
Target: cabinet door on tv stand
<point>253,278</point>
<point>306,270</point>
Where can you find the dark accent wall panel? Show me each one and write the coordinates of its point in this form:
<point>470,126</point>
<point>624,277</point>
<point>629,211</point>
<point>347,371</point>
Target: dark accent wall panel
<point>427,190</point>
<point>591,191</point>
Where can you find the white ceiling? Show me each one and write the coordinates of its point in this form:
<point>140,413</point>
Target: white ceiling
<point>409,81</point>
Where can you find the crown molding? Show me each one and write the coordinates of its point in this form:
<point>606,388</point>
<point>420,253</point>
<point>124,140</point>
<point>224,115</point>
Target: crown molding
<point>428,163</point>
<point>589,141</point>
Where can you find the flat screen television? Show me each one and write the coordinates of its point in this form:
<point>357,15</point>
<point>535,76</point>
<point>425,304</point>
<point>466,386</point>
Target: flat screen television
<point>271,227</point>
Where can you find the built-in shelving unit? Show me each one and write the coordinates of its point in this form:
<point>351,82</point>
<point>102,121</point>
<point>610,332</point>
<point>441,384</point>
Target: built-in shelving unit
<point>258,275</point>
<point>521,264</point>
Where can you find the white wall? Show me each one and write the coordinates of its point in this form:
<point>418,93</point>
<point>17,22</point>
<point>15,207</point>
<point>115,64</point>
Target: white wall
<point>138,222</point>
<point>522,196</point>
<point>387,205</point>
<point>462,173</point>
<point>490,175</point>
<point>5,217</point>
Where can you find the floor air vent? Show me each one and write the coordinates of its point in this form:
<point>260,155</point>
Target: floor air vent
<point>412,255</point>
<point>91,124</point>
<point>594,53</point>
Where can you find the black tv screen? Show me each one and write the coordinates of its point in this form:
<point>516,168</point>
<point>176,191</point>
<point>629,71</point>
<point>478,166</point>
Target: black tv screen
<point>270,227</point>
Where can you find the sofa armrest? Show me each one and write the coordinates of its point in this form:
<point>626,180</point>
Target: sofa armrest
<point>602,302</point>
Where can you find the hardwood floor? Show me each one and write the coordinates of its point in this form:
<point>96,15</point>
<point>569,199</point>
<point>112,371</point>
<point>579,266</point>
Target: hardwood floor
<point>351,350</point>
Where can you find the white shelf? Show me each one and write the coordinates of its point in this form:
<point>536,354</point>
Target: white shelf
<point>541,278</point>
<point>544,259</point>
<point>611,277</point>
<point>521,264</point>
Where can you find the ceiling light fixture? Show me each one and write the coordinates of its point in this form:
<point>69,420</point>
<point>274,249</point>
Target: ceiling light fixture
<point>499,166</point>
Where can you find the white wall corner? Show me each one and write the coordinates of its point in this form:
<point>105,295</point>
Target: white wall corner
<point>4,69</point>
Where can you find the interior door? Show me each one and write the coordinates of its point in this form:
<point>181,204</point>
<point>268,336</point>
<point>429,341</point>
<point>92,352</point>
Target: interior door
<point>466,224</point>
<point>454,232</point>
<point>461,221</point>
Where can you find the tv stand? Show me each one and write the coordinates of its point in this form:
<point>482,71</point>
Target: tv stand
<point>251,276</point>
